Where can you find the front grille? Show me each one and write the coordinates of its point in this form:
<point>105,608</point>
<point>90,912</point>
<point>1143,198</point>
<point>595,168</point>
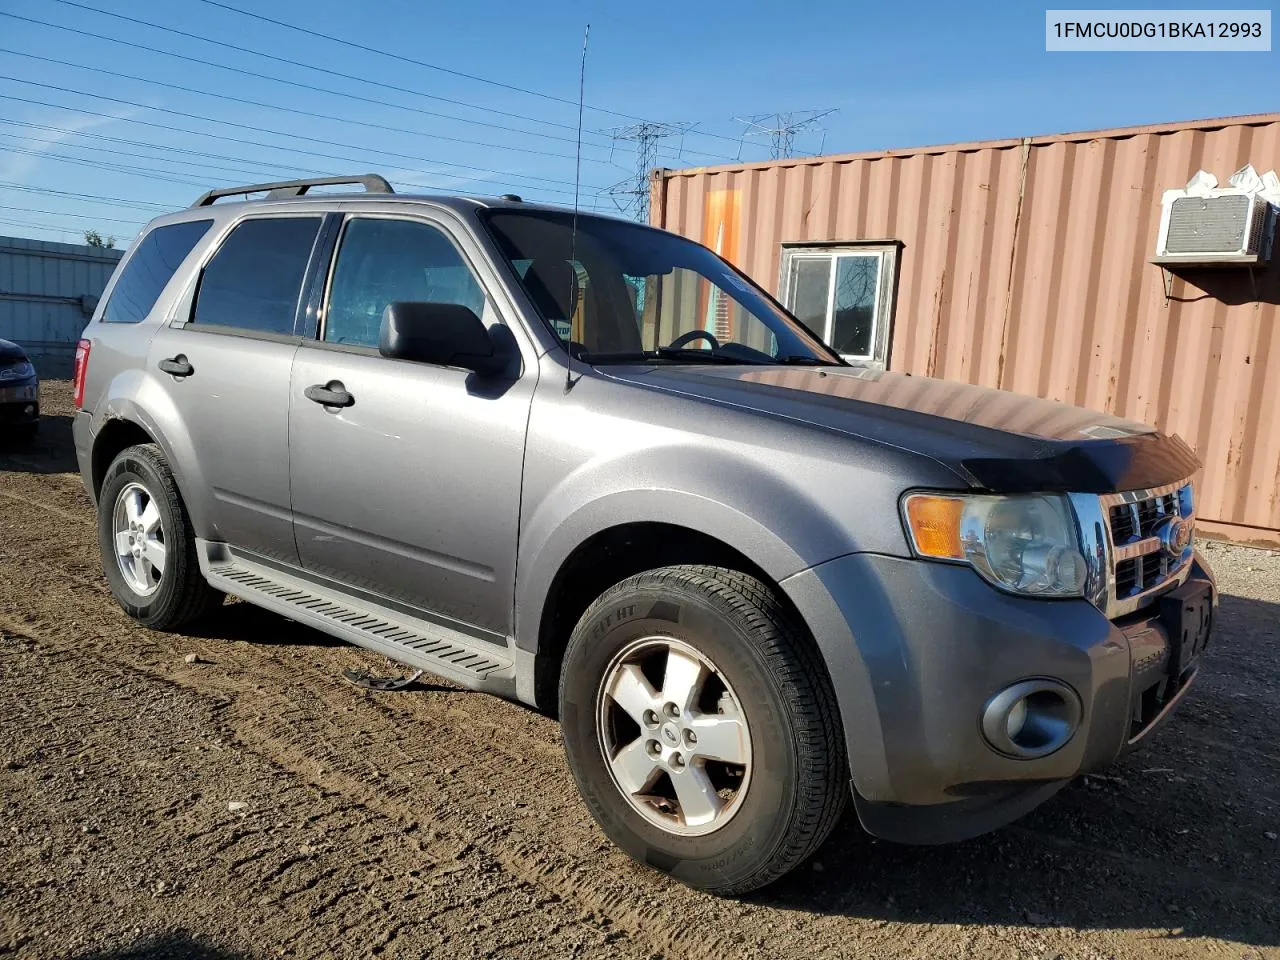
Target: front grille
<point>1139,523</point>
<point>1133,521</point>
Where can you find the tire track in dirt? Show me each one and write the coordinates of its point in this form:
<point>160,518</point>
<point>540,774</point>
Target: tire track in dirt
<point>457,765</point>
<point>239,901</point>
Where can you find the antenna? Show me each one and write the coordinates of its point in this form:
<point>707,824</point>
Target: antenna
<point>573,235</point>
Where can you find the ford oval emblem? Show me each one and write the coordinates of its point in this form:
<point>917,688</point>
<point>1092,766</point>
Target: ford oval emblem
<point>1175,536</point>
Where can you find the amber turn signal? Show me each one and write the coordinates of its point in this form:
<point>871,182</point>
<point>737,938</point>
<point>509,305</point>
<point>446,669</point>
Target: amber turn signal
<point>934,523</point>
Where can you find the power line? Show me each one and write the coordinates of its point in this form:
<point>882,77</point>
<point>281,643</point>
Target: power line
<point>132,171</point>
<point>304,113</point>
<point>218,156</point>
<point>632,194</point>
<point>294,63</point>
<point>50,227</point>
<point>314,89</point>
<point>149,146</point>
<point>25,188</point>
<point>80,216</point>
<point>266,56</point>
<point>781,129</point>
<point>239,172</point>
<point>242,126</point>
<point>29,144</point>
<point>427,65</point>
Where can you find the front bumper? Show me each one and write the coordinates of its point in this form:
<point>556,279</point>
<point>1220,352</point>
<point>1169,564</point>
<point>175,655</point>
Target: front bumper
<point>915,651</point>
<point>19,402</point>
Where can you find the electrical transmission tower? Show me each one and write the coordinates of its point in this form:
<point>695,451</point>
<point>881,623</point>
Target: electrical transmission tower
<point>781,129</point>
<point>632,194</point>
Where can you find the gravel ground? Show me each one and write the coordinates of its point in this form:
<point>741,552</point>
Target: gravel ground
<point>254,804</point>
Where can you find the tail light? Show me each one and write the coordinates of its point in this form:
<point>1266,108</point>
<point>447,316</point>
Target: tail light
<point>82,368</point>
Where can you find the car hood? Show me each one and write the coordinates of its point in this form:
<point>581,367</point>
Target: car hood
<point>995,440</point>
<point>10,351</point>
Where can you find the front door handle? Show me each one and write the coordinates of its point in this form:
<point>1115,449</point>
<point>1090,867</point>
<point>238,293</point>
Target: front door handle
<point>177,366</point>
<point>331,394</point>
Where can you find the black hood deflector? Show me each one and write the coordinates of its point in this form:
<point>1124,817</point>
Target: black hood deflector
<point>998,441</point>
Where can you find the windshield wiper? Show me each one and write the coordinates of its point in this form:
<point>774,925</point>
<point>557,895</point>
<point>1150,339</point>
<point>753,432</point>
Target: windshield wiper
<point>802,360</point>
<point>695,355</point>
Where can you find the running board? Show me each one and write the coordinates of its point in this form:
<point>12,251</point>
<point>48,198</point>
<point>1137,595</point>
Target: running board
<point>409,640</point>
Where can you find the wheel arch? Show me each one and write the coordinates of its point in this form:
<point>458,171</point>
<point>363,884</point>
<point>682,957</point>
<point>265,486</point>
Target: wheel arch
<point>610,555</point>
<point>125,420</point>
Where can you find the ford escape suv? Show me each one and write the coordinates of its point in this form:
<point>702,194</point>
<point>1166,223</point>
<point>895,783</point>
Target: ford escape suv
<point>590,466</point>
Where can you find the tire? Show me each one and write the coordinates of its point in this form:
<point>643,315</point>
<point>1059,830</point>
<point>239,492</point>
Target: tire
<point>772,811</point>
<point>26,434</point>
<point>177,593</point>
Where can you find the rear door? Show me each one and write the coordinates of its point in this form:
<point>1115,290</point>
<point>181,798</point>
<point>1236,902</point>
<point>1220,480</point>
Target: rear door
<point>413,491</point>
<point>224,363</point>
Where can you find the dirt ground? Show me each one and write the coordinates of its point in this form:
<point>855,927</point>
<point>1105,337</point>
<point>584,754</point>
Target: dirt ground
<point>255,804</point>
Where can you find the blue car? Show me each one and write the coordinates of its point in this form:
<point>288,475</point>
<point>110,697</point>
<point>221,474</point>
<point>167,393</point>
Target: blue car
<point>19,394</point>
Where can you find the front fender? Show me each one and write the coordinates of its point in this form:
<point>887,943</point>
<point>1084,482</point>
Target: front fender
<point>763,515</point>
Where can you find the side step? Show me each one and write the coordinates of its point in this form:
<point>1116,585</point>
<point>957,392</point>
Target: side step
<point>420,643</point>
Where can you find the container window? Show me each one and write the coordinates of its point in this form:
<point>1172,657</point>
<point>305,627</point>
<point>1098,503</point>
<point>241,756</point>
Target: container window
<point>843,294</point>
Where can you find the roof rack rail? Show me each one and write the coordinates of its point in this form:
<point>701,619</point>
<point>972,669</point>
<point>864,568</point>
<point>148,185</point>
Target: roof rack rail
<point>373,183</point>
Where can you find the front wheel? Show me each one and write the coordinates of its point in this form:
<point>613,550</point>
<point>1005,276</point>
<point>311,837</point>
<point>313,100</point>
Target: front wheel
<point>701,727</point>
<point>147,543</point>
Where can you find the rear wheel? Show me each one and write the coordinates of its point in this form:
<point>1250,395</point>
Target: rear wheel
<point>701,728</point>
<point>147,544</point>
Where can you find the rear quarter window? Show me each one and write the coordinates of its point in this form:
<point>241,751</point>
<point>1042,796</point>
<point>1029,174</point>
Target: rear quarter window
<point>149,268</point>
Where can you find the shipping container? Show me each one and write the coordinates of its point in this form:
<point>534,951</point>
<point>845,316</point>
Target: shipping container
<point>1026,264</point>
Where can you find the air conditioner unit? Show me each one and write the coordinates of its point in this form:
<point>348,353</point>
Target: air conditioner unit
<point>1221,227</point>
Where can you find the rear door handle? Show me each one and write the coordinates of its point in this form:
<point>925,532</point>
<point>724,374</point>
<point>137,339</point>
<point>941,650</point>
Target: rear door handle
<point>177,366</point>
<point>331,394</point>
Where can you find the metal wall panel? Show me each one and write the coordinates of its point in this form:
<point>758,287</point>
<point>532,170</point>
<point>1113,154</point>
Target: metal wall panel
<point>41,286</point>
<point>1024,265</point>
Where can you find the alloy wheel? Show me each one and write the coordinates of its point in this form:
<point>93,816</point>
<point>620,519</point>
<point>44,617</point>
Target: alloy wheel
<point>674,736</point>
<point>138,534</point>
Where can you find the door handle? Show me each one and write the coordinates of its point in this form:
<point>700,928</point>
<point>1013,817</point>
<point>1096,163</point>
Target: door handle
<point>331,394</point>
<point>177,366</point>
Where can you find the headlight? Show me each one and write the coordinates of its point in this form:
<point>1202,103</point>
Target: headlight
<point>18,371</point>
<point>1023,544</point>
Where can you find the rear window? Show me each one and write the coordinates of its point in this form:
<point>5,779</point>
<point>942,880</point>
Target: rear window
<point>254,280</point>
<point>149,269</point>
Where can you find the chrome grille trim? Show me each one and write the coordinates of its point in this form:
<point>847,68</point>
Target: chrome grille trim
<point>1110,538</point>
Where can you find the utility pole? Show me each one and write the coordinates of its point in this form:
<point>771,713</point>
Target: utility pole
<point>781,129</point>
<point>632,194</point>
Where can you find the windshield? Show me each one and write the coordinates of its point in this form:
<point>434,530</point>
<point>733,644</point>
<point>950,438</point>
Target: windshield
<point>623,292</point>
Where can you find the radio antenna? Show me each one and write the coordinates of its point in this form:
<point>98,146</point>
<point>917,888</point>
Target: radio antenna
<point>573,235</point>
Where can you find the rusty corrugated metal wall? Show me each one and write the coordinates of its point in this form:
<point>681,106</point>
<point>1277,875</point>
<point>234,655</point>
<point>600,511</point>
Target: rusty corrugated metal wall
<point>1024,265</point>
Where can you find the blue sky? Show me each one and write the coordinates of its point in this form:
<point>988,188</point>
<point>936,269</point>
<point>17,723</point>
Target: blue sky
<point>897,75</point>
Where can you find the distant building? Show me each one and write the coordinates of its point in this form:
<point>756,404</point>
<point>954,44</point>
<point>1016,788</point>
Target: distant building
<point>1027,264</point>
<point>47,294</point>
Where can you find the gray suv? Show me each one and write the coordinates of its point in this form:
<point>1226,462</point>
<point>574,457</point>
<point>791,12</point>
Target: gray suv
<point>590,466</point>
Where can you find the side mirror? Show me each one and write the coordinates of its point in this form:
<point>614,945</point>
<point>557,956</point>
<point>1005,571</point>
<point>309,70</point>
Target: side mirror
<point>444,334</point>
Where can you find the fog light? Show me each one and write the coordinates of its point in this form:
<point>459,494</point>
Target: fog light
<point>28,410</point>
<point>1032,718</point>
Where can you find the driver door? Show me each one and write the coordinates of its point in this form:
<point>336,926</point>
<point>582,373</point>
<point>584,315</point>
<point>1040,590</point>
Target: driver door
<point>412,492</point>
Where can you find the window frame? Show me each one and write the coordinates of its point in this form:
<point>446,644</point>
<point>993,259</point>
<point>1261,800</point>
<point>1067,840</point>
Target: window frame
<point>886,288</point>
<point>184,316</point>
<point>314,334</point>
